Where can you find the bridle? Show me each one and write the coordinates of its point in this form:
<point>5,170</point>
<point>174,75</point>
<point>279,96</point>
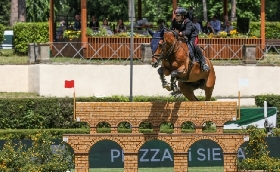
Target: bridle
<point>166,55</point>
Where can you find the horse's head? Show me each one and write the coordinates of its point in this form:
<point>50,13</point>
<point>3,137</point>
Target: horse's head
<point>156,45</point>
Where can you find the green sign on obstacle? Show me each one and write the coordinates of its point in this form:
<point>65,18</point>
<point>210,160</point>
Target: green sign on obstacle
<point>155,153</point>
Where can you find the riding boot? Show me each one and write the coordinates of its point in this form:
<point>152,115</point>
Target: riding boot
<point>204,65</point>
<point>199,55</point>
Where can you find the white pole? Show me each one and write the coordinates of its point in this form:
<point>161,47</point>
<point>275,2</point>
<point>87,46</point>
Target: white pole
<point>265,109</point>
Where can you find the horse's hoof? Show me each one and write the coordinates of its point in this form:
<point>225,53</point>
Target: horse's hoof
<point>155,65</point>
<point>176,94</point>
<point>167,86</point>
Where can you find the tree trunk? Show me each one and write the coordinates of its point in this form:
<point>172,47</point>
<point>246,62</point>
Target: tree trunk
<point>14,12</point>
<point>204,10</point>
<point>21,11</point>
<point>233,10</point>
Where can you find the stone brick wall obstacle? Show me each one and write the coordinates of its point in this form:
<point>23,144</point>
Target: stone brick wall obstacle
<point>156,113</point>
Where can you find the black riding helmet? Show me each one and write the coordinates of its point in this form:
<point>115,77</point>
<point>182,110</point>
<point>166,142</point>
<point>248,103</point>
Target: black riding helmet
<point>180,11</point>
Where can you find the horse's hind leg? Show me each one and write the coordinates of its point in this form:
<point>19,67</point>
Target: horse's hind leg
<point>208,93</point>
<point>187,90</point>
<point>210,83</point>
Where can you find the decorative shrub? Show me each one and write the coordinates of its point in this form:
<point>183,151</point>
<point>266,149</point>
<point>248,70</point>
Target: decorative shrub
<point>257,154</point>
<point>25,33</point>
<point>41,157</point>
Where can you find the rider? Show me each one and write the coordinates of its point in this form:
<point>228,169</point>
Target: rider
<point>184,26</point>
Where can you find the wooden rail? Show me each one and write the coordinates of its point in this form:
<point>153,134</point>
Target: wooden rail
<point>228,48</point>
<point>114,47</point>
<point>119,47</point>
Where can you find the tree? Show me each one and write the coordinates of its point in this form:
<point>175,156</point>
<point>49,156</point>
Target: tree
<point>37,10</point>
<point>14,12</point>
<point>21,10</point>
<point>233,10</point>
<point>204,10</point>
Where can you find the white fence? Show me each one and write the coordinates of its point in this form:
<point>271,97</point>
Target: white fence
<point>107,80</point>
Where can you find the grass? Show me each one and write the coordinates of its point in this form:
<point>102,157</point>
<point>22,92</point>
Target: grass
<point>18,95</point>
<point>190,169</point>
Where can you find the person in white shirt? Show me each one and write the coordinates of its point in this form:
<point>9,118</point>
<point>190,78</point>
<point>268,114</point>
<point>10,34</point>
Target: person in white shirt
<point>216,24</point>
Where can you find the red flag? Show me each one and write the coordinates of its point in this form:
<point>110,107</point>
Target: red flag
<point>69,84</point>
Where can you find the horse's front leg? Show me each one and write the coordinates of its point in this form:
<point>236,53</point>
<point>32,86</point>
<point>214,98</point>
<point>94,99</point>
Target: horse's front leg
<point>174,86</point>
<point>165,84</point>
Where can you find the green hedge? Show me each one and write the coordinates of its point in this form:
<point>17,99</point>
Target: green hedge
<point>25,33</point>
<point>28,134</point>
<point>34,113</point>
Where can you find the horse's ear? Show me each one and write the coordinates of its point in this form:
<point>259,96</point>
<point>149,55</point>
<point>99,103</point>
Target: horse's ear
<point>150,32</point>
<point>162,32</point>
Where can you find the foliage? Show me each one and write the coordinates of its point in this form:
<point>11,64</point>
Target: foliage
<point>89,32</point>
<point>2,28</point>
<point>41,157</point>
<point>37,10</point>
<point>28,134</point>
<point>188,125</point>
<point>5,8</point>
<point>25,33</point>
<point>12,157</point>
<point>256,152</point>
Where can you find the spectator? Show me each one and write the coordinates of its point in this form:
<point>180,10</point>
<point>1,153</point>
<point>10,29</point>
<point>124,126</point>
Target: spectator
<point>216,24</point>
<point>77,23</point>
<point>61,29</point>
<point>207,29</point>
<point>106,25</point>
<point>223,26</point>
<point>94,24</point>
<point>228,27</point>
<point>121,26</point>
<point>197,25</point>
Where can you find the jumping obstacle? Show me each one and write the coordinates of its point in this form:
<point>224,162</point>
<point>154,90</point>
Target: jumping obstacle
<point>154,112</point>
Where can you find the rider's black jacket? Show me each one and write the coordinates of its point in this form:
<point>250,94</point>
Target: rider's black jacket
<point>186,27</point>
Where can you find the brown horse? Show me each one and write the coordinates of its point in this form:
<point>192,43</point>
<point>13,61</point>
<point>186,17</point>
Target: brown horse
<point>173,51</point>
